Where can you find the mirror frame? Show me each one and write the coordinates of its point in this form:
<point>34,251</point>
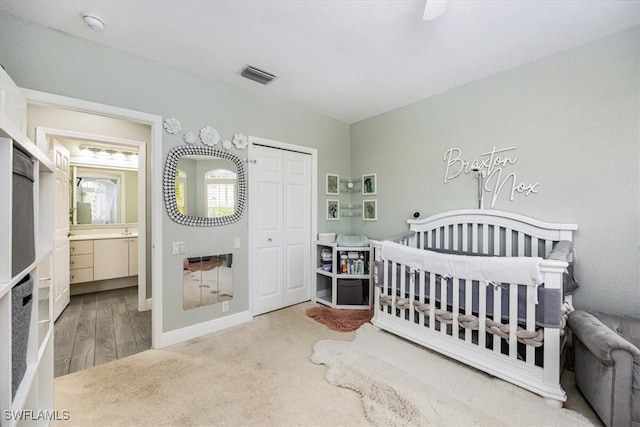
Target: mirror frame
<point>169,181</point>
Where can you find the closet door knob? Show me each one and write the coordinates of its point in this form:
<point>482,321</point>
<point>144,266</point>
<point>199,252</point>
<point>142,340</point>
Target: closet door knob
<point>269,239</point>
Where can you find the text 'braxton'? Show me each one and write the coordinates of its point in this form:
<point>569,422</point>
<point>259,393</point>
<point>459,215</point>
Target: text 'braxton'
<point>492,164</point>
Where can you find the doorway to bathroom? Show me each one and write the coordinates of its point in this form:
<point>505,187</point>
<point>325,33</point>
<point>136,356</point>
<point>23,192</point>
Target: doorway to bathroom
<point>109,317</point>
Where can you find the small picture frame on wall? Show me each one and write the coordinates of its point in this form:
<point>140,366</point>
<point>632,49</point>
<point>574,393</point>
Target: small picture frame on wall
<point>333,210</point>
<point>370,210</point>
<point>333,184</point>
<point>369,184</point>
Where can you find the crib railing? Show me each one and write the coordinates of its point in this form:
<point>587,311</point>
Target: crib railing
<point>463,323</point>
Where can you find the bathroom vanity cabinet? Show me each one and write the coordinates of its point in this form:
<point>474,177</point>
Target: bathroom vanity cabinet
<point>103,258</point>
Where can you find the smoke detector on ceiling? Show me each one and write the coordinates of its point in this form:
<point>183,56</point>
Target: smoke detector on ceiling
<point>93,21</point>
<point>257,75</point>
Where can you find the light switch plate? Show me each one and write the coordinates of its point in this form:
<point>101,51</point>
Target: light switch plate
<point>236,243</point>
<point>179,248</point>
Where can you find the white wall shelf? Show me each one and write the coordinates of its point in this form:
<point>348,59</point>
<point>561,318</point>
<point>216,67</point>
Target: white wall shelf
<point>343,278</point>
<point>34,392</point>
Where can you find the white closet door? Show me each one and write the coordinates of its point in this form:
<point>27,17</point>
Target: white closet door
<point>297,227</point>
<point>268,229</point>
<point>61,290</point>
<point>282,236</point>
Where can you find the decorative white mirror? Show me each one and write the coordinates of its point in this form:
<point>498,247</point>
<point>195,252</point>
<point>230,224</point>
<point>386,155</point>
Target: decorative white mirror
<point>204,186</point>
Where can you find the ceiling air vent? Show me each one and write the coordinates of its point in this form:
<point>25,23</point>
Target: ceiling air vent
<point>257,75</point>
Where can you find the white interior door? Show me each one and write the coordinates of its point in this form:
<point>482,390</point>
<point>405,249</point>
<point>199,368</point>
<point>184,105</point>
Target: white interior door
<point>296,227</point>
<point>61,290</point>
<point>281,228</point>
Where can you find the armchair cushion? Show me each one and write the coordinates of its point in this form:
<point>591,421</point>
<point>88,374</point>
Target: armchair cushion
<point>607,365</point>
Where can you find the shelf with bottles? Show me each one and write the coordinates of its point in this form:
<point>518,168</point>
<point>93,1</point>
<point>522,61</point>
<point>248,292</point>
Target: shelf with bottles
<point>343,278</point>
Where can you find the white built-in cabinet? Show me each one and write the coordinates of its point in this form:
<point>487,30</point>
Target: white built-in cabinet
<point>33,399</point>
<point>111,258</point>
<point>133,257</point>
<point>103,259</point>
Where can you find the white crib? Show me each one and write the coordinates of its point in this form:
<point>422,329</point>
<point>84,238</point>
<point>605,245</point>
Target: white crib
<point>458,323</point>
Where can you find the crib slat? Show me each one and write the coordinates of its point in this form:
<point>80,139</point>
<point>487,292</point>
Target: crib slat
<point>465,237</point>
<point>432,301</point>
<point>496,240</point>
<point>421,292</point>
<point>443,301</point>
<point>385,282</point>
<point>485,238</point>
<point>438,237</point>
<point>446,231</point>
<point>497,316</point>
<point>520,243</point>
<point>534,246</point>
<point>468,307</point>
<point>482,314</point>
<point>548,247</point>
<point>508,241</point>
<point>474,237</point>
<point>456,246</point>
<point>513,320</point>
<point>412,291</point>
<point>455,306</point>
<point>394,285</point>
<point>531,322</point>
<point>403,287</point>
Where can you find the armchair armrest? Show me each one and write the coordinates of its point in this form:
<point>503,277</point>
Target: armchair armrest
<point>599,339</point>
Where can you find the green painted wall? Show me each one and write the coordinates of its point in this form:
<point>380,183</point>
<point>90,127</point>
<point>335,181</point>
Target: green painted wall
<point>50,61</point>
<point>574,118</point>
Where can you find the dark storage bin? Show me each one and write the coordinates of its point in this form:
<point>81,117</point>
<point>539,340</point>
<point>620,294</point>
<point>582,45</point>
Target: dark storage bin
<point>350,292</point>
<point>21,302</point>
<point>22,234</point>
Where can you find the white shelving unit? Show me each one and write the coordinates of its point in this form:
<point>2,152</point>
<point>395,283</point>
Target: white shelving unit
<point>33,399</point>
<point>347,287</point>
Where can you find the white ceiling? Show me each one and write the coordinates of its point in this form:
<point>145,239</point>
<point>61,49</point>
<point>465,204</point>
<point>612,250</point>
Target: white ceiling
<point>349,60</point>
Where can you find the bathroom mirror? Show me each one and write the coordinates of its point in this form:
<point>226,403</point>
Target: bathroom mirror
<point>103,196</point>
<point>204,186</point>
<point>207,280</point>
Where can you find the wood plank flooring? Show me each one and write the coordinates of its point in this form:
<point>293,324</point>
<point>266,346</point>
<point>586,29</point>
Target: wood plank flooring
<point>100,327</point>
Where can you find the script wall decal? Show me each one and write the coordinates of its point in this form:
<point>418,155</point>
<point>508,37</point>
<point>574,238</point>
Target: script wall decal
<point>493,168</point>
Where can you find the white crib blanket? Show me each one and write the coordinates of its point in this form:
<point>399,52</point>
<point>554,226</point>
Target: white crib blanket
<point>520,270</point>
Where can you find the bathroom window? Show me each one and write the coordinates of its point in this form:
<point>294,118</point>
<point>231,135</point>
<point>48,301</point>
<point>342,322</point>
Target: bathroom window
<point>181,191</point>
<point>220,194</point>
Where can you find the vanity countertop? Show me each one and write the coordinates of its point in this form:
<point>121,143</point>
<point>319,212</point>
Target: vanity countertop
<point>99,236</point>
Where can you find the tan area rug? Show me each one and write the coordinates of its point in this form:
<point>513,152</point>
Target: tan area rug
<point>402,384</point>
<point>340,320</point>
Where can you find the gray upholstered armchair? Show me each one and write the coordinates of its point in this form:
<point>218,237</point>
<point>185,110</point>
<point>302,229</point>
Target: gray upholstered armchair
<point>607,365</point>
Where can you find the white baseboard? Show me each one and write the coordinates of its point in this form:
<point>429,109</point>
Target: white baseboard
<point>194,331</point>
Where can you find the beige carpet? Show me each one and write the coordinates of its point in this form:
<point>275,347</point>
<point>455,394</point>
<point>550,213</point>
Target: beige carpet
<point>402,384</point>
<point>256,374</point>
